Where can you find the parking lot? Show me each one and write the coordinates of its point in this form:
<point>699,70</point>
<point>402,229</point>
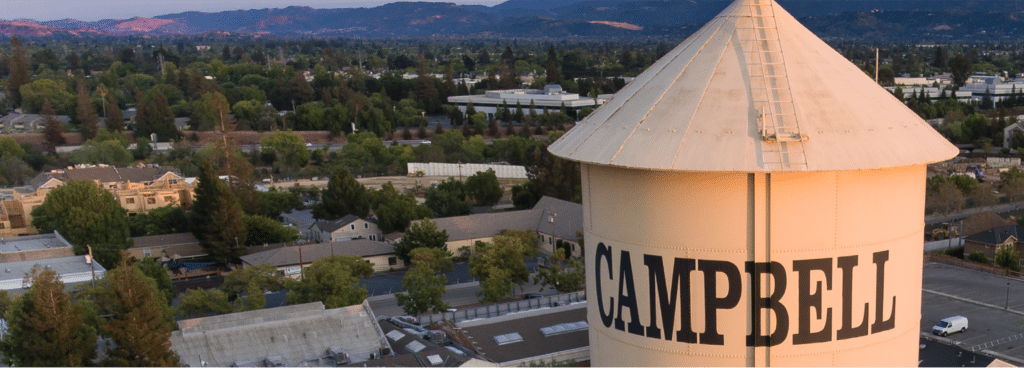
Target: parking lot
<point>981,297</point>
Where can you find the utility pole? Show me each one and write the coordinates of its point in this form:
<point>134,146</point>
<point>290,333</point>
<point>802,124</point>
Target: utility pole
<point>1007,306</point>
<point>302,272</point>
<point>93,267</point>
<point>876,65</point>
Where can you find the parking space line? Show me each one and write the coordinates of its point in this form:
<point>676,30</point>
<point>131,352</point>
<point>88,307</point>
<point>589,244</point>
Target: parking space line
<point>997,342</point>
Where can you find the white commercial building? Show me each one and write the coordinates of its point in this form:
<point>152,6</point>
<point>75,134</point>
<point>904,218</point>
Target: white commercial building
<point>551,97</point>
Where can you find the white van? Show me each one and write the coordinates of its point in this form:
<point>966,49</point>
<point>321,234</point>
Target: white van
<point>950,325</point>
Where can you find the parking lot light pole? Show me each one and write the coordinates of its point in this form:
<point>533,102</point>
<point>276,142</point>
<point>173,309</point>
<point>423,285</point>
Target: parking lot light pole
<point>1007,307</point>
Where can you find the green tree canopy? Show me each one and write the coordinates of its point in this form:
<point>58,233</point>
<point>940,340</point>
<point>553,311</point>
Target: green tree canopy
<point>332,280</point>
<point>343,195</point>
<point>448,199</point>
<point>420,234</point>
<point>483,186</point>
<point>141,324</point>
<point>424,282</point>
<point>262,230</point>
<point>290,148</point>
<point>396,210</point>
<point>561,275</point>
<point>86,215</point>
<point>158,274</point>
<point>217,217</point>
<point>45,328</point>
<point>500,266</point>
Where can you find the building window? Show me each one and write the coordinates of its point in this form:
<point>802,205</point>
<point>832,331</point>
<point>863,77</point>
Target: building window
<point>392,261</point>
<point>150,200</point>
<point>366,225</point>
<point>551,240</point>
<point>373,237</point>
<point>172,181</point>
<point>129,200</point>
<point>168,199</point>
<point>352,227</point>
<point>147,253</point>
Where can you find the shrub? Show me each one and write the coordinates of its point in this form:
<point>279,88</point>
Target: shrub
<point>978,257</point>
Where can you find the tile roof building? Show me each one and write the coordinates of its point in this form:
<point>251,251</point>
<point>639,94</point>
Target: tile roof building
<point>294,335</point>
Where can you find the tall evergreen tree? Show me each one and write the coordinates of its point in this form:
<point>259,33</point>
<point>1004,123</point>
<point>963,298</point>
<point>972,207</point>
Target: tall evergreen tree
<point>343,195</point>
<point>114,118</point>
<point>554,77</point>
<point>86,114</point>
<point>141,325</point>
<point>158,118</point>
<point>20,74</point>
<point>217,217</point>
<point>45,328</point>
<point>53,129</point>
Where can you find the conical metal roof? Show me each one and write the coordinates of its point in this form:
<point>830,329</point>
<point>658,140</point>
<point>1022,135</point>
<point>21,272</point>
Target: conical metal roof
<point>753,91</point>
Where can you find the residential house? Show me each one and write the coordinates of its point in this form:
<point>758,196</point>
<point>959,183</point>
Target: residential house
<point>289,260</point>
<point>20,254</point>
<point>181,246</point>
<point>137,189</point>
<point>346,228</point>
<point>990,241</point>
<point>13,220</point>
<point>303,334</point>
<point>27,122</point>
<point>556,223</point>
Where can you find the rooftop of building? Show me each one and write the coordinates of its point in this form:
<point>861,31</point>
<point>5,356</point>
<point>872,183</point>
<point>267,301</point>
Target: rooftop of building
<point>156,241</point>
<point>537,333</point>
<point>997,235</point>
<point>72,270</point>
<point>296,335</point>
<point>33,242</point>
<point>289,255</point>
<point>103,174</point>
<point>567,220</point>
<point>411,350</point>
<point>333,225</point>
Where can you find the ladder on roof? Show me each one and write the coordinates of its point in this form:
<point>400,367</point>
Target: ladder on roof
<point>781,140</point>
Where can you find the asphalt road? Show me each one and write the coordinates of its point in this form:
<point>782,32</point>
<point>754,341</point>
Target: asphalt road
<point>456,296</point>
<point>981,297</point>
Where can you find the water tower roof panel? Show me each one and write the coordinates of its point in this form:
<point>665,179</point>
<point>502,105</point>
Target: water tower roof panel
<point>753,93</point>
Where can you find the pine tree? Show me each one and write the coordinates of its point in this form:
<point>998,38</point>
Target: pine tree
<point>142,324</point>
<point>217,217</point>
<point>343,195</point>
<point>53,129</point>
<point>86,113</point>
<point>115,118</point>
<point>554,77</point>
<point>20,74</point>
<point>159,118</point>
<point>45,328</point>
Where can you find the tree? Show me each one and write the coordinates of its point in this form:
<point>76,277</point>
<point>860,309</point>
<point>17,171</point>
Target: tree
<point>1008,258</point>
<point>960,66</point>
<point>983,196</point>
<point>289,147</point>
<point>500,266</point>
<point>333,281</point>
<point>19,74</point>
<point>424,282</point>
<point>561,275</point>
<point>421,234</point>
<point>274,203</point>
<point>944,198</point>
<point>114,117</point>
<point>526,195</point>
<point>395,210</point>
<point>86,114</point>
<point>448,199</point>
<point>246,286</point>
<point>45,328</point>
<point>343,195</point>
<point>558,177</point>
<point>217,217</point>
<point>155,116</point>
<point>141,325</point>
<point>554,77</point>
<point>102,152</point>
<point>196,303</point>
<point>262,230</point>
<point>483,186</point>
<point>1012,185</point>
<point>158,274</point>
<point>53,129</point>
<point>86,215</point>
<point>169,219</point>
<point>940,60</point>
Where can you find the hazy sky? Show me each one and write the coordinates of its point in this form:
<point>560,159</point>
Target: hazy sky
<point>91,10</point>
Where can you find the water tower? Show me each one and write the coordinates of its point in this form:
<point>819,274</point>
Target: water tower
<point>753,199</point>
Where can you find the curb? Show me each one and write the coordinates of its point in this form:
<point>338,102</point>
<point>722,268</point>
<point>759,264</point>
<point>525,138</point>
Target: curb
<point>973,301</point>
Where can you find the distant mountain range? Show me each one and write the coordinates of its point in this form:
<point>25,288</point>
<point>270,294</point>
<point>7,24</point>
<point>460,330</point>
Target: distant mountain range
<point>599,19</point>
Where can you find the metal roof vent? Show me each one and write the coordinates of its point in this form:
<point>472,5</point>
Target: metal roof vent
<point>455,350</point>
<point>564,328</point>
<point>274,361</point>
<point>339,356</point>
<point>434,359</point>
<point>509,338</point>
<point>415,346</point>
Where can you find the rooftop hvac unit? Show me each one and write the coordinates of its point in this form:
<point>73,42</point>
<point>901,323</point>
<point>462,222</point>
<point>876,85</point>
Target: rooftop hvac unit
<point>339,356</point>
<point>384,350</point>
<point>274,361</point>
<point>436,336</point>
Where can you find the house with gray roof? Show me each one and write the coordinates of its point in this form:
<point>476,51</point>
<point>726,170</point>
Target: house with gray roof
<point>990,241</point>
<point>181,246</point>
<point>555,221</point>
<point>18,255</point>
<point>27,122</point>
<point>289,260</point>
<point>348,227</point>
<point>296,335</point>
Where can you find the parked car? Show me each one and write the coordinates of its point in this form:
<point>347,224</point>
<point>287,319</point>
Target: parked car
<point>532,296</point>
<point>950,325</point>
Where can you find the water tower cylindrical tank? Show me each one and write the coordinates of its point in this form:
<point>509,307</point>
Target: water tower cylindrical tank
<point>753,199</point>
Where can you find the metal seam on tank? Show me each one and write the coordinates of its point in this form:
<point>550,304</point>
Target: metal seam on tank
<point>701,101</point>
<point>716,250</point>
<point>667,90</point>
<point>603,123</point>
<point>829,351</point>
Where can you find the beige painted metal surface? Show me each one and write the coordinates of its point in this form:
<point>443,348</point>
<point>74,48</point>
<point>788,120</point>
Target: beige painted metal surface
<point>753,91</point>
<point>842,251</point>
